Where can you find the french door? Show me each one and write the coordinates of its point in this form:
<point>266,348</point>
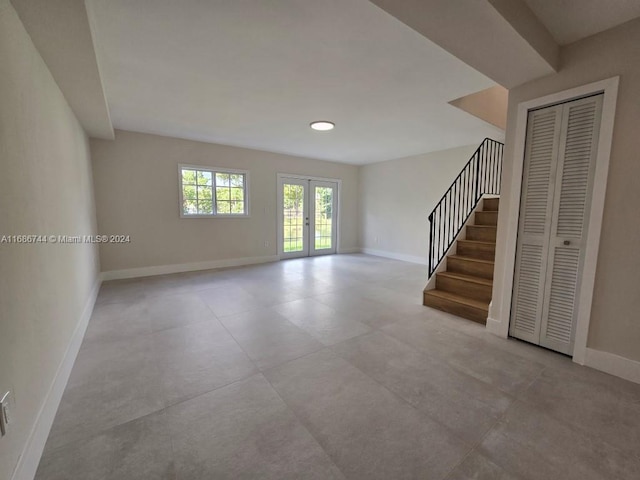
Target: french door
<point>559,164</point>
<point>307,214</point>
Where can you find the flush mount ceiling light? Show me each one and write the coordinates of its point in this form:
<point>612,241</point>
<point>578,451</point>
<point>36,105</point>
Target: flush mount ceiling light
<point>322,125</point>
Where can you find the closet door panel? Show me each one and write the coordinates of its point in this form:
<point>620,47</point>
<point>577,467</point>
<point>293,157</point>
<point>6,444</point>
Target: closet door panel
<point>569,221</point>
<point>543,134</point>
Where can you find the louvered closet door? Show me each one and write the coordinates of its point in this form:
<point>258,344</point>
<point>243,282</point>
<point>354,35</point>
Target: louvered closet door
<point>536,203</point>
<point>569,223</point>
<point>547,282</point>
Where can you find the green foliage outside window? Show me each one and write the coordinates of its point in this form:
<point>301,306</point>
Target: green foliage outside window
<point>198,187</point>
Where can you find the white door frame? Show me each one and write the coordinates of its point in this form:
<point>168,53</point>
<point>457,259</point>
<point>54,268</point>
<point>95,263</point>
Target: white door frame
<point>500,313</point>
<point>337,206</point>
<point>305,213</point>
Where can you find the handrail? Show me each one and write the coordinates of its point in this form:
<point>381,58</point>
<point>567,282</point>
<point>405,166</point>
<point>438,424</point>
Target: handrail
<point>480,175</point>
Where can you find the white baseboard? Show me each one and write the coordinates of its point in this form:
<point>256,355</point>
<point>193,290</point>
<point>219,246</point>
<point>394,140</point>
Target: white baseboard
<point>342,251</point>
<point>613,364</point>
<point>496,327</point>
<point>30,458</point>
<point>395,256</point>
<point>185,267</point>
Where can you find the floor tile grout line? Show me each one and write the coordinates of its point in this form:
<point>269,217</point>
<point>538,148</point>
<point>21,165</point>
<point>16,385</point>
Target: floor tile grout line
<point>94,343</point>
<point>519,396</point>
<point>571,425</point>
<point>403,400</point>
<point>238,344</point>
<point>161,410</point>
<point>102,431</point>
<point>167,404</point>
<point>261,370</point>
<point>440,361</point>
<point>293,412</point>
<point>462,460</point>
<point>445,362</point>
<point>478,443</point>
<point>520,401</point>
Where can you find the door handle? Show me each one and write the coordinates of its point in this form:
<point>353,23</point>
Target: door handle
<point>567,242</point>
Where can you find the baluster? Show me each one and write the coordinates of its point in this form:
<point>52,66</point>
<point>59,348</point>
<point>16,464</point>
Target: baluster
<point>493,168</point>
<point>481,174</point>
<point>455,207</point>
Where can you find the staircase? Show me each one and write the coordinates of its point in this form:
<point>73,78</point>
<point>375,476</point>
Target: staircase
<point>465,288</point>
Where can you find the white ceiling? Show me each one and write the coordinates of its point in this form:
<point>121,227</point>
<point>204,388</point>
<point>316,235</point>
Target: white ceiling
<point>253,73</point>
<point>571,20</point>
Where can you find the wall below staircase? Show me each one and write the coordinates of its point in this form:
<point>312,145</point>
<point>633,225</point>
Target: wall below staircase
<point>397,196</point>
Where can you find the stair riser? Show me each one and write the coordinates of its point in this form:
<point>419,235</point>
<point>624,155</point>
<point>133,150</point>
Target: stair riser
<point>484,270</point>
<point>455,308</point>
<point>482,251</point>
<point>486,218</point>
<point>491,204</point>
<point>482,234</point>
<point>464,288</point>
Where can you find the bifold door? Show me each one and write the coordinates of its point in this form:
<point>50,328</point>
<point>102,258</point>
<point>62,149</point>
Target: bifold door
<point>559,166</point>
<point>308,213</point>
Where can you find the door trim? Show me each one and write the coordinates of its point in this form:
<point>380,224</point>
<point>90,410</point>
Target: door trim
<point>508,221</point>
<point>279,223</point>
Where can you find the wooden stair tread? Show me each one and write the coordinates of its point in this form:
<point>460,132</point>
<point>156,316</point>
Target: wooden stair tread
<point>452,297</point>
<point>481,242</point>
<point>471,259</point>
<point>468,278</point>
<point>465,288</point>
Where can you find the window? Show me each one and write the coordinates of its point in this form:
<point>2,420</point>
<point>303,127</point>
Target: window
<point>208,192</point>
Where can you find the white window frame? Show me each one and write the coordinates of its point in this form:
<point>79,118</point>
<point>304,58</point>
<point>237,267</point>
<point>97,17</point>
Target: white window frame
<point>214,170</point>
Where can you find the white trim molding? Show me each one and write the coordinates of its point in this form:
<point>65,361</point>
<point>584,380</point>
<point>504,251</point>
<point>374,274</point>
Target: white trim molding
<point>613,364</point>
<point>30,458</point>
<point>395,256</point>
<point>346,251</point>
<point>499,315</point>
<point>185,267</point>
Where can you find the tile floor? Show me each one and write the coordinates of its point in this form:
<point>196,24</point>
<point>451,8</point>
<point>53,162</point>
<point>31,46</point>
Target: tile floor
<point>325,368</point>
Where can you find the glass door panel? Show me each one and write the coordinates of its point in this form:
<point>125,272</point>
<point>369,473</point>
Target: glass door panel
<point>322,217</point>
<point>307,212</point>
<point>295,217</point>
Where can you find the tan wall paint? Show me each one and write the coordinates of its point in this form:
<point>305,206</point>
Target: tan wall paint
<point>45,188</point>
<point>397,196</point>
<point>614,324</point>
<point>136,182</point>
<point>489,105</point>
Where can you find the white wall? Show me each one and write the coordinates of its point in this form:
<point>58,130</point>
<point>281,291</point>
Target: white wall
<point>397,196</point>
<point>45,188</point>
<point>136,183</point>
<point>614,327</point>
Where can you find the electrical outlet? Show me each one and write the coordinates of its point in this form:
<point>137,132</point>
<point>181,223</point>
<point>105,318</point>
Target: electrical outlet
<point>5,417</point>
<point>266,243</point>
